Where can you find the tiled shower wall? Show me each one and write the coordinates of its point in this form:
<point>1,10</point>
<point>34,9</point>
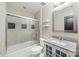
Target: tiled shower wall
<point>19,35</point>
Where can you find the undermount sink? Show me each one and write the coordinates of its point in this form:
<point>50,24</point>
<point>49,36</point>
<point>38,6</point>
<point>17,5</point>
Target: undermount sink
<point>58,42</point>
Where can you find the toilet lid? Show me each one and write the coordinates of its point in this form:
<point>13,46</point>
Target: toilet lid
<point>36,48</point>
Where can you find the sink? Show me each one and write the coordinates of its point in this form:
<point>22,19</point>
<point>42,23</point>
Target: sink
<point>57,42</point>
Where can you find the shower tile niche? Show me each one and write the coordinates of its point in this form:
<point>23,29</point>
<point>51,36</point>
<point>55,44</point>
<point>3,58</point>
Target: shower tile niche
<point>11,25</point>
<point>24,26</point>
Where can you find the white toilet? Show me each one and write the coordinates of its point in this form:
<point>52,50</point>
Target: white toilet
<point>37,50</point>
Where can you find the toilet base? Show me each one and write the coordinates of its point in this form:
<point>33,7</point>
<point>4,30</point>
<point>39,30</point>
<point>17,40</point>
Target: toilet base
<point>38,55</point>
<point>41,55</point>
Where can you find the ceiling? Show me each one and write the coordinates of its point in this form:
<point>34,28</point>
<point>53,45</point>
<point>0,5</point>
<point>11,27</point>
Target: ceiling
<point>31,7</point>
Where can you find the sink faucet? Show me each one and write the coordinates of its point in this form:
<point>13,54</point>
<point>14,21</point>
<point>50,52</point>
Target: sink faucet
<point>58,37</point>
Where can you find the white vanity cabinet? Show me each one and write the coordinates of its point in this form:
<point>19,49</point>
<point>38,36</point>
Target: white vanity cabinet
<point>51,50</point>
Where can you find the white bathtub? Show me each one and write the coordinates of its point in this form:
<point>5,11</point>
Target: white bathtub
<point>21,50</point>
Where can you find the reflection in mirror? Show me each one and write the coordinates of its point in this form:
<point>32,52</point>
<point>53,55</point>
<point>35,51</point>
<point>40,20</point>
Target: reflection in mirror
<point>64,20</point>
<point>68,23</point>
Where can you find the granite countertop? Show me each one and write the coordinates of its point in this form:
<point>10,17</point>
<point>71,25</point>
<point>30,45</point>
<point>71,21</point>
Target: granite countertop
<point>68,45</point>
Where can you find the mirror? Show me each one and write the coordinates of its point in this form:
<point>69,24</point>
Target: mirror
<point>64,20</point>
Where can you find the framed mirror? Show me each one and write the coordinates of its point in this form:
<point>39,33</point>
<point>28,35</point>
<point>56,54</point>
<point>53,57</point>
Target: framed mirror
<point>64,20</point>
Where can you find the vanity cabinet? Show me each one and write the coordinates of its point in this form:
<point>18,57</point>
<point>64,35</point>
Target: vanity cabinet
<point>51,50</point>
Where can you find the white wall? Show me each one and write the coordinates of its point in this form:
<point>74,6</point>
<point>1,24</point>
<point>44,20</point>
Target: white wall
<point>37,15</point>
<point>47,14</point>
<point>2,29</point>
<point>42,15</point>
<point>76,10</point>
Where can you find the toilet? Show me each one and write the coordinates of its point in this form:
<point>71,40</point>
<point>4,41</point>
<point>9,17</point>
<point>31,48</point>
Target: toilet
<point>37,50</point>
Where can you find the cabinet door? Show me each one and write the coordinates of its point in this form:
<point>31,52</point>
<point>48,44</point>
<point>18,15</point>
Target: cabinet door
<point>55,51</point>
<point>48,51</point>
<point>64,53</point>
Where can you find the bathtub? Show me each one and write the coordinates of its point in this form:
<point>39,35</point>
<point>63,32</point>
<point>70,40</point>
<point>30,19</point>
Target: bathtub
<point>21,50</point>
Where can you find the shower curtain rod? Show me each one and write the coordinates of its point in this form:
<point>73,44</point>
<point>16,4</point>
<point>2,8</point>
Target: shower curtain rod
<point>14,15</point>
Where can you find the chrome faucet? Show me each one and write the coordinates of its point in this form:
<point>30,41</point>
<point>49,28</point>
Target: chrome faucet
<point>58,37</point>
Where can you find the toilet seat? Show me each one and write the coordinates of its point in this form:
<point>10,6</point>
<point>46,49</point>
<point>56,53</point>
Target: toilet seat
<point>36,50</point>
